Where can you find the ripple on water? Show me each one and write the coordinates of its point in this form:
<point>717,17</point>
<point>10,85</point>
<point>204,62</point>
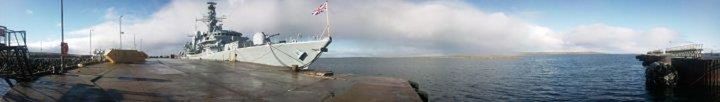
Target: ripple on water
<point>526,78</point>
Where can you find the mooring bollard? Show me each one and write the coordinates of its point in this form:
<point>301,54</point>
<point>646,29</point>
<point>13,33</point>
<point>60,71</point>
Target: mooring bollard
<point>295,68</point>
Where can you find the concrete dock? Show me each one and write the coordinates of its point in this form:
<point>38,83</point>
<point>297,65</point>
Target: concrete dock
<point>201,80</point>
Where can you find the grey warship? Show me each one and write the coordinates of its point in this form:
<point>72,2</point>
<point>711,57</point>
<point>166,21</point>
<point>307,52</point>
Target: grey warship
<point>227,45</point>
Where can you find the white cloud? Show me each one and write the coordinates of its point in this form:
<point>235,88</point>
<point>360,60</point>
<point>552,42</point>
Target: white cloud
<point>372,28</point>
<point>439,28</point>
<point>28,12</point>
<point>110,14</point>
<point>601,37</point>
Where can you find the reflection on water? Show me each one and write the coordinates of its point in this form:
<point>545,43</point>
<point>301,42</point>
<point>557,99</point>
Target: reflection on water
<point>596,77</point>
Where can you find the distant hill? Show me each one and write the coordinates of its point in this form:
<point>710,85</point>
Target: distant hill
<point>484,56</point>
<point>560,53</point>
<point>51,55</point>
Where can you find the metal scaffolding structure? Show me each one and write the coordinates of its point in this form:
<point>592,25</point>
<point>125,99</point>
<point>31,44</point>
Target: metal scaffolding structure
<point>16,62</point>
<point>14,56</point>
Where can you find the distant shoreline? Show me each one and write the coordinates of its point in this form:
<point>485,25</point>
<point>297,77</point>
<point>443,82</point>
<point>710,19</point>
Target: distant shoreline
<point>491,55</point>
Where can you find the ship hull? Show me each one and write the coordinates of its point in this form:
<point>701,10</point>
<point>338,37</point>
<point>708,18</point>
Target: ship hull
<point>300,54</point>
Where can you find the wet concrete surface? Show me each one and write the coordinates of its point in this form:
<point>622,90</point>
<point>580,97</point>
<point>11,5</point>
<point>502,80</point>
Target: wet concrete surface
<point>200,80</point>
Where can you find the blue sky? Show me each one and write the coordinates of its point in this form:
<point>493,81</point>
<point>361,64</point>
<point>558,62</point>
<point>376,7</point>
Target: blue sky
<point>694,21</point>
<point>41,18</point>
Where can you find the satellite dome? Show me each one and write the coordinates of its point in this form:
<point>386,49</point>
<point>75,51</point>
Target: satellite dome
<point>259,38</point>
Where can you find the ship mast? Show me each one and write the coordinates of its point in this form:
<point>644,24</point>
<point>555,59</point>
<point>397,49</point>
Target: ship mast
<point>211,19</point>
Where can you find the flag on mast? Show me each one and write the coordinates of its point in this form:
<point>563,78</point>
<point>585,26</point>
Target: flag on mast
<point>322,8</point>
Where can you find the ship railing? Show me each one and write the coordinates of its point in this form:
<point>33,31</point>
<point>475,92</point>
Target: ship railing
<point>683,51</point>
<point>685,47</point>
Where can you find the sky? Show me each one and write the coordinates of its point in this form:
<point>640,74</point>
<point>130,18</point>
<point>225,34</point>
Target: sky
<point>380,28</point>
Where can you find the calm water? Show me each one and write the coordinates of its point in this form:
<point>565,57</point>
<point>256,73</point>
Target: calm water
<point>527,78</point>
